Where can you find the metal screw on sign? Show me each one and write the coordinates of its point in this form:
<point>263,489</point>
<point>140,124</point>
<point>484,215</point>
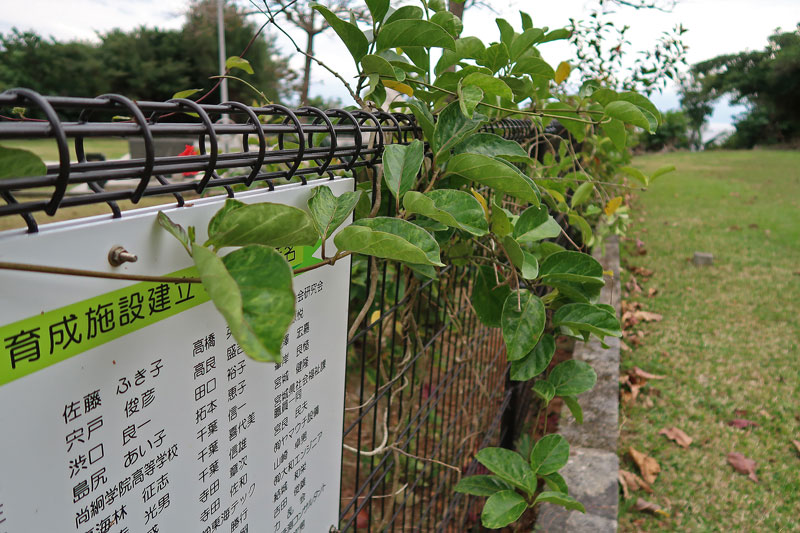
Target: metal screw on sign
<point>119,255</point>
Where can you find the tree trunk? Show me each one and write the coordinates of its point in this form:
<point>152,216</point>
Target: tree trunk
<point>307,70</point>
<point>456,8</point>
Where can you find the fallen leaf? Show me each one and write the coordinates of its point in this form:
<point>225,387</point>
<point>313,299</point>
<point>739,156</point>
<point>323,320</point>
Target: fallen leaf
<point>796,272</point>
<point>734,228</point>
<point>753,226</point>
<point>640,249</point>
<point>652,291</point>
<point>796,444</point>
<point>677,434</point>
<point>743,465</point>
<point>765,414</point>
<point>649,507</point>
<point>636,371</point>
<point>740,412</point>
<point>631,481</point>
<point>648,466</point>
<point>647,403</point>
<point>647,316</point>
<point>742,423</point>
<point>632,285</point>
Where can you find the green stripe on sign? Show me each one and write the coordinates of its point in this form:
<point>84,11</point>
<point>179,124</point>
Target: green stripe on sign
<point>37,342</point>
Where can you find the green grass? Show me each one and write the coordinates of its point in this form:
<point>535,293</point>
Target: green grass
<point>728,340</point>
<point>48,150</point>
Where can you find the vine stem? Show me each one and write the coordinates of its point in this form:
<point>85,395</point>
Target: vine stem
<point>516,111</point>
<point>93,273</point>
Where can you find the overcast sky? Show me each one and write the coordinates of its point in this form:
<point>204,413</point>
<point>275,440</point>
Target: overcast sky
<point>715,27</point>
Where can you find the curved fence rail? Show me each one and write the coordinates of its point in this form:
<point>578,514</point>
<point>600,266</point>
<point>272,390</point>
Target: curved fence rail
<point>417,406</point>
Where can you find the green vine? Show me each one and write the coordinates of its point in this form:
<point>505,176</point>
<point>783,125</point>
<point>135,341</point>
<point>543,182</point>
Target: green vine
<point>460,196</point>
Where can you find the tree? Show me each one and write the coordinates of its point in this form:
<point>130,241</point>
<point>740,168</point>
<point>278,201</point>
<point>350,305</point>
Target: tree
<point>301,14</point>
<point>271,72</point>
<point>767,81</point>
<point>50,67</point>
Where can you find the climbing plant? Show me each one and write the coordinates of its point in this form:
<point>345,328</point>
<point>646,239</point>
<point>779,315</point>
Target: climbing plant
<point>459,194</point>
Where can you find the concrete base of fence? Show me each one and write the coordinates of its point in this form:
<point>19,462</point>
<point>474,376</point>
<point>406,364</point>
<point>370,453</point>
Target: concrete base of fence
<point>591,472</point>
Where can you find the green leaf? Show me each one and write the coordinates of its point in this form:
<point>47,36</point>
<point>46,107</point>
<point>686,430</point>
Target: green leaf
<point>581,194</point>
<point>615,130</point>
<point>456,209</point>
<point>502,508</point>
<point>508,466</point>
<point>401,164</point>
<point>449,22</point>
<point>423,116</point>
<point>265,223</point>
<point>487,298</point>
<point>636,174</point>
<point>581,223</point>
<point>329,211</point>
<point>405,13</point>
<point>494,174</point>
<point>627,113</point>
<point>527,22</point>
<point>481,485</point>
<point>536,361</point>
<point>544,390</point>
<point>561,33</point>
<point>513,250</point>
<point>19,163</point>
<point>555,482</point>
<point>490,85</point>
<point>666,169</point>
<point>572,266</point>
<point>495,57</point>
<point>390,238</point>
<point>501,224</point>
<point>176,230</point>
<point>352,37</point>
<point>410,32</point>
<point>523,42</point>
<point>230,205</point>
<point>644,104</point>
<point>468,99</point>
<point>452,128</point>
<point>378,9</point>
<point>490,145</point>
<point>574,408</point>
<point>372,63</point>
<point>506,31</point>
<point>559,498</point>
<point>535,66</point>
<point>188,92</point>
<point>572,377</point>
<point>530,266</point>
<point>522,322</point>
<point>550,454</point>
<point>252,289</point>
<point>589,318</point>
<point>238,62</point>
<point>535,224</point>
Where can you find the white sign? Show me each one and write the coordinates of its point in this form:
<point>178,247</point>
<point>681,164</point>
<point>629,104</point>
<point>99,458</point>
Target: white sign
<point>128,408</point>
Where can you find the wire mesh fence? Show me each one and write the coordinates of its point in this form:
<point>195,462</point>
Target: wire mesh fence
<point>426,382</point>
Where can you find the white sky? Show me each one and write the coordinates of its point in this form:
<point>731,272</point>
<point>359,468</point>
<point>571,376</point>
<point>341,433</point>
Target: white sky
<point>715,27</point>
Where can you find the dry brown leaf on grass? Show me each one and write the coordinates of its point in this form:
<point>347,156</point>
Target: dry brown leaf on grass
<point>647,316</point>
<point>648,466</point>
<point>796,444</point>
<point>743,465</point>
<point>742,423</point>
<point>677,434</point>
<point>631,481</point>
<point>638,372</point>
<point>652,291</point>
<point>643,505</point>
<point>632,285</point>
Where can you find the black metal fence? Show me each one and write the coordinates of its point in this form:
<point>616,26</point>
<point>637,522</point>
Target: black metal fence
<point>426,382</point>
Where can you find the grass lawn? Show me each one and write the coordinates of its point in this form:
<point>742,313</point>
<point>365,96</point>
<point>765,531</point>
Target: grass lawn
<point>48,150</point>
<point>728,344</point>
